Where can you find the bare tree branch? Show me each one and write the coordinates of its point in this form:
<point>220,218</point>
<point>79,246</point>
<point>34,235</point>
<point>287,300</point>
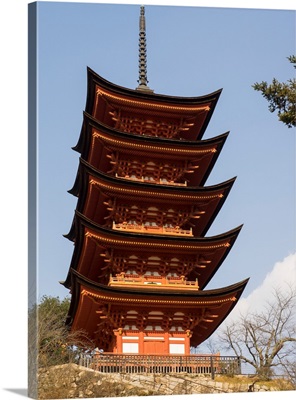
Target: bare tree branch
<point>265,339</point>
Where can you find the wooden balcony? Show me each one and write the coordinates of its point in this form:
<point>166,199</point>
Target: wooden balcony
<point>153,181</point>
<point>149,363</point>
<point>152,229</point>
<point>147,280</point>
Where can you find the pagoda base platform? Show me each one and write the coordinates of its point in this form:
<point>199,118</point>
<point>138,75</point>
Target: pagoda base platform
<point>165,364</point>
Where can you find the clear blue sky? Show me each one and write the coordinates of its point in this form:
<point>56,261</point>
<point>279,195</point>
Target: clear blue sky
<point>191,51</point>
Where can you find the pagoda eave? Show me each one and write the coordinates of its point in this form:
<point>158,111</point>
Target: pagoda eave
<point>93,77</point>
<point>89,299</point>
<point>147,238</point>
<point>90,122</point>
<point>204,254</point>
<point>98,142</point>
<point>137,100</point>
<point>141,186</point>
<point>171,297</point>
<point>95,190</point>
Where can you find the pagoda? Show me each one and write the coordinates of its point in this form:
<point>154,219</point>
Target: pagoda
<point>141,260</point>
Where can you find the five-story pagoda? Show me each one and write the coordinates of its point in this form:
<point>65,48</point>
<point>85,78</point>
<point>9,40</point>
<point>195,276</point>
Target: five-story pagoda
<point>141,259</point>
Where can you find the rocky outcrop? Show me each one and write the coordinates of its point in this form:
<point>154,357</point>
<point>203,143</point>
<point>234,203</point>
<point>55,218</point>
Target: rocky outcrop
<point>72,381</point>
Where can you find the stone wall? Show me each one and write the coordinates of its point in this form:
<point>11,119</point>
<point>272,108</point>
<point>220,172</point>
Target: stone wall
<point>73,381</point>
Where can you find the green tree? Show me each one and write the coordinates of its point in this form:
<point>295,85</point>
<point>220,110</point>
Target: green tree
<point>50,340</point>
<point>281,97</point>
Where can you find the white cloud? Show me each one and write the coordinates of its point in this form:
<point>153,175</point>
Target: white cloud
<point>282,274</point>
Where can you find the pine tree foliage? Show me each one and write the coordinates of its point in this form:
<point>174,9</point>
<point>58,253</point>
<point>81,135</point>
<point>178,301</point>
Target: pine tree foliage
<point>281,97</point>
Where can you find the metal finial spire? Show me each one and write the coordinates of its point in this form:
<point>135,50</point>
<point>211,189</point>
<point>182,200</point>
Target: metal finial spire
<point>143,81</point>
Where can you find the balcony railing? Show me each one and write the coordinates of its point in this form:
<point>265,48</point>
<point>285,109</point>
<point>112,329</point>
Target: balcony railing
<point>164,282</point>
<point>152,229</point>
<point>144,363</point>
<point>151,180</point>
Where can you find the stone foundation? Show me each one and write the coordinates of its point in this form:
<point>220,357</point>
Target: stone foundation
<point>73,381</point>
